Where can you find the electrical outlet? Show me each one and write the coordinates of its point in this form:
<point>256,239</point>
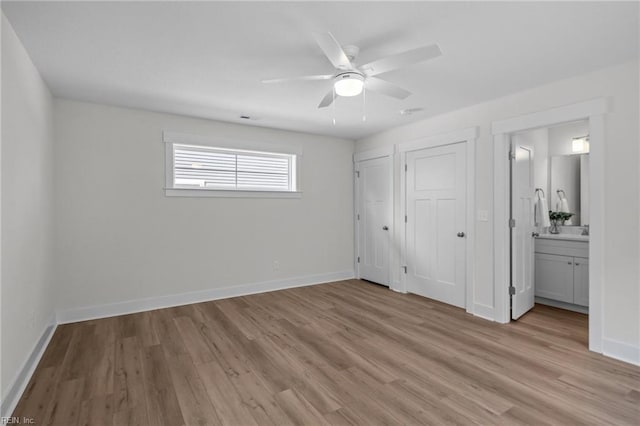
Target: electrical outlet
<point>483,215</point>
<point>276,265</point>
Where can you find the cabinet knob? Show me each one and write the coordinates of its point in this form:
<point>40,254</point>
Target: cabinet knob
<point>577,264</point>
<point>385,228</point>
<point>569,263</point>
<point>460,234</point>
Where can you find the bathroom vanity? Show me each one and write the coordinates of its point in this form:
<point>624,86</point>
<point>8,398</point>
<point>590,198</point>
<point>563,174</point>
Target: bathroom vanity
<point>562,271</point>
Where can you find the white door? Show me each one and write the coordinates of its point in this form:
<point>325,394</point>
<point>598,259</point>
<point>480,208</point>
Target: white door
<point>436,224</point>
<point>522,241</point>
<point>374,218</point>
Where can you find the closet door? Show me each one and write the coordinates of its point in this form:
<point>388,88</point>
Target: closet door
<point>436,223</point>
<point>373,216</point>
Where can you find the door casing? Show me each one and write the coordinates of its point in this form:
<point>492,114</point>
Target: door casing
<point>467,136</point>
<point>594,111</point>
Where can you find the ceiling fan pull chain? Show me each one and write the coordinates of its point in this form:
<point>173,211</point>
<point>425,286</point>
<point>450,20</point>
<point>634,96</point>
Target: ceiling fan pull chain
<point>364,104</point>
<point>334,106</point>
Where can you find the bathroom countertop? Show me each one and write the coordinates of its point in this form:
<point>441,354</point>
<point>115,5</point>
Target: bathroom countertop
<point>568,237</point>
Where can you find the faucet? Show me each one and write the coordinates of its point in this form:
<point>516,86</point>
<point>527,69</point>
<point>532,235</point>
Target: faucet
<point>585,230</point>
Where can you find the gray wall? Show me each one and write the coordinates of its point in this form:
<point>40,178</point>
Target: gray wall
<point>27,207</point>
<point>119,238</point>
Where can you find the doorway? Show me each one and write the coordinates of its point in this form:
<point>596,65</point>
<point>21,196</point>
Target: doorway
<point>594,111</point>
<point>549,178</point>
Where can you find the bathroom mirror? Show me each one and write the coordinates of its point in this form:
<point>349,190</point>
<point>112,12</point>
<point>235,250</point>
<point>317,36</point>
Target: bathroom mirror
<point>569,178</point>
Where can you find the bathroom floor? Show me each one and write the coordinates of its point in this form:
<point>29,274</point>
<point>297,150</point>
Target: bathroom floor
<point>557,322</point>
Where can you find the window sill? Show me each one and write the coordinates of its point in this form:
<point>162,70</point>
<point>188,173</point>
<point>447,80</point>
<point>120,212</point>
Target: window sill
<point>221,193</point>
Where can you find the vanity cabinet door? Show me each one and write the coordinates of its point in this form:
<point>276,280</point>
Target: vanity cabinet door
<point>554,277</point>
<point>581,281</point>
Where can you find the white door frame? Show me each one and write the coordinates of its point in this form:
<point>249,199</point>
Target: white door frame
<point>593,110</point>
<point>468,136</point>
<point>372,154</point>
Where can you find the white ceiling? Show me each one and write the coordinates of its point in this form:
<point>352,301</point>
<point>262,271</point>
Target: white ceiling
<point>206,59</point>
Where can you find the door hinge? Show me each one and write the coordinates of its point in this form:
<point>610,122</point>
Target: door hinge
<point>358,216</point>
<point>512,223</point>
<point>405,269</point>
<point>358,259</point>
<point>405,218</point>
<point>357,173</point>
<point>512,290</point>
<point>511,155</point>
<point>405,167</point>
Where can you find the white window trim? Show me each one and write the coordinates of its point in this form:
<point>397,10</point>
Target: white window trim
<point>171,138</point>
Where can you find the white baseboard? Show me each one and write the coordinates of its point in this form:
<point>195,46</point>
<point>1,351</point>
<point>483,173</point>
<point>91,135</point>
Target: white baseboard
<point>562,305</point>
<point>148,304</point>
<point>484,311</point>
<point>621,351</point>
<point>21,380</point>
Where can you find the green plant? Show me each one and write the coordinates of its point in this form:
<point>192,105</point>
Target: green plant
<point>559,216</point>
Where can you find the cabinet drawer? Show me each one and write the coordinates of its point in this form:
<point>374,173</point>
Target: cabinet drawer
<point>562,247</point>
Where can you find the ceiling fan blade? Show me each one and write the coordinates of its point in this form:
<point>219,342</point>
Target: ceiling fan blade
<point>400,60</point>
<point>380,86</point>
<point>333,50</point>
<point>327,100</point>
<point>301,78</point>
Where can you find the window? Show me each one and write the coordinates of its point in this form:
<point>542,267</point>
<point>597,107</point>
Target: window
<point>203,170</point>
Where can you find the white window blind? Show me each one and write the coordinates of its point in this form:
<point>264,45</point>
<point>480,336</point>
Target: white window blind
<point>226,169</point>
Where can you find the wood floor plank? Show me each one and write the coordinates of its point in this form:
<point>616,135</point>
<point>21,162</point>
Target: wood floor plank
<point>65,408</point>
<point>196,346</point>
<point>129,379</point>
<point>191,393</point>
<point>299,409</point>
<point>162,403</point>
<point>39,394</point>
<point>344,353</point>
<point>261,402</point>
<point>226,401</point>
<point>96,411</point>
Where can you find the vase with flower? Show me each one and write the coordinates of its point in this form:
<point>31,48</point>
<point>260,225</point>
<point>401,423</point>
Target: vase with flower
<point>557,219</point>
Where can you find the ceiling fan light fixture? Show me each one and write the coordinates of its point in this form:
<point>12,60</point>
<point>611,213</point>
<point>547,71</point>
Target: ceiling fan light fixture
<point>349,84</point>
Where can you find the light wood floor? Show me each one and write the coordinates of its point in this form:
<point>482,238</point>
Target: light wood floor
<point>341,353</point>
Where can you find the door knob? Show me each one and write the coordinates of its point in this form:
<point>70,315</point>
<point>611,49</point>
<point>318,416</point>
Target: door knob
<point>461,234</point>
<point>385,228</point>
<point>535,234</point>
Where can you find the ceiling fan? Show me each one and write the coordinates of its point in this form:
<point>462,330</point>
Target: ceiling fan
<point>349,80</point>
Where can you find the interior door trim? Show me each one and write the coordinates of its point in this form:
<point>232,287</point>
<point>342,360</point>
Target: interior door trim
<point>467,136</point>
<point>595,111</point>
<point>371,154</point>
